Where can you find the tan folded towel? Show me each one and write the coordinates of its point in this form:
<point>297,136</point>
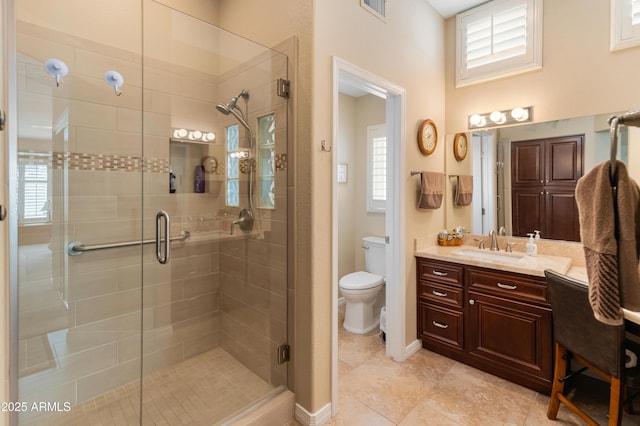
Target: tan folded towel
<point>464,190</point>
<point>610,234</point>
<point>431,191</point>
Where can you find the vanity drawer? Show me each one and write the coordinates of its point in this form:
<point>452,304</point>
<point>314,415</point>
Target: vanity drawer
<point>441,272</point>
<point>441,325</point>
<point>440,293</point>
<point>508,285</point>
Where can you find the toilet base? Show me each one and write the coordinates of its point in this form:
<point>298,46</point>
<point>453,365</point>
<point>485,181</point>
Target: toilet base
<point>361,330</point>
<point>360,318</point>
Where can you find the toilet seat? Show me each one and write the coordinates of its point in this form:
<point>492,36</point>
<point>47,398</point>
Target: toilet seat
<point>360,280</point>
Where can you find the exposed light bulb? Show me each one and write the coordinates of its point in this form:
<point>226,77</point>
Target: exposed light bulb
<point>180,133</point>
<point>519,114</point>
<point>497,117</point>
<point>476,120</point>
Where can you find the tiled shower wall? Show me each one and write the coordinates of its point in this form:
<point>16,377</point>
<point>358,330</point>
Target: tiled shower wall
<point>79,332</point>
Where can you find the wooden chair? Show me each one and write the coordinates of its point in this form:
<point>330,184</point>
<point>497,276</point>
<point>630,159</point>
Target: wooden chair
<point>597,346</point>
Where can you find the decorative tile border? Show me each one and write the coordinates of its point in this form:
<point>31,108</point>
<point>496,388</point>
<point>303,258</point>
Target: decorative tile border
<point>123,163</point>
<point>281,162</point>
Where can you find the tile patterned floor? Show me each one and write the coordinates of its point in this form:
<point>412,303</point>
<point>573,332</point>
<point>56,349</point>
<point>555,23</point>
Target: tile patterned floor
<point>429,389</point>
<point>200,391</point>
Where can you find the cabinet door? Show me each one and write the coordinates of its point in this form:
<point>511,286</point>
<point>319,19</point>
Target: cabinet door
<point>528,211</point>
<point>563,160</point>
<point>562,220</point>
<point>510,339</point>
<point>527,163</point>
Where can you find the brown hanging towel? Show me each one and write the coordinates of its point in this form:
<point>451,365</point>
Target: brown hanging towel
<point>431,190</point>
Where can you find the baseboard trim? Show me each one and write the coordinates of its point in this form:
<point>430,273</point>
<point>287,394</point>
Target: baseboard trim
<point>318,418</point>
<point>413,347</point>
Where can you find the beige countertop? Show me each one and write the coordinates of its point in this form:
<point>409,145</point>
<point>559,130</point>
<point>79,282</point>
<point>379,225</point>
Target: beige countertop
<point>502,261</point>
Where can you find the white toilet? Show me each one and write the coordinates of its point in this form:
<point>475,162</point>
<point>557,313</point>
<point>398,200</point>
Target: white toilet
<point>362,290</point>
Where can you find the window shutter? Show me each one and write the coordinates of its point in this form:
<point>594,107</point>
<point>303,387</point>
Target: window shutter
<point>497,39</point>
<point>35,192</point>
<point>625,24</point>
<point>379,169</point>
<point>376,168</point>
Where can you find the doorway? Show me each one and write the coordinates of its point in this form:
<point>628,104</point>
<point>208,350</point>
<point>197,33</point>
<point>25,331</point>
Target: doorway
<point>348,77</point>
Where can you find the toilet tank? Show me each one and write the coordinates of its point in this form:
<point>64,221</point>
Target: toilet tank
<point>374,255</point>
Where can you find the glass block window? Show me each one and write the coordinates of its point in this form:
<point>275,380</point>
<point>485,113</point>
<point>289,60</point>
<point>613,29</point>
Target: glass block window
<point>233,165</point>
<point>266,161</point>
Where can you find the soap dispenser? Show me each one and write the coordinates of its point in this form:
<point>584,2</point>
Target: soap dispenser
<point>532,248</point>
<point>537,237</point>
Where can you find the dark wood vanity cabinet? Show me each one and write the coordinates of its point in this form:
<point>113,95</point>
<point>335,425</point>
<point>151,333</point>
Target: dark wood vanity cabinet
<point>440,306</point>
<point>499,322</point>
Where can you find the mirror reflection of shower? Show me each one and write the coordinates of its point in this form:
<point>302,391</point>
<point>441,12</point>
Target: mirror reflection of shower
<point>246,217</point>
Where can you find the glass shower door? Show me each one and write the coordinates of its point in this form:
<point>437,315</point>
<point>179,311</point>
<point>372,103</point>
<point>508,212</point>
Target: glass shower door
<point>78,189</point>
<point>216,131</point>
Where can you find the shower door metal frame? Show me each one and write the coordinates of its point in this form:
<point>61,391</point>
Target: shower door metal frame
<point>8,181</point>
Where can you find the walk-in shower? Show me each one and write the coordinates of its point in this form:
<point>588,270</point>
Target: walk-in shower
<point>106,325</point>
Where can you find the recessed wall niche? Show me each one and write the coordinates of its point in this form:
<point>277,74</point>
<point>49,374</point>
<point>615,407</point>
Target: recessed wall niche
<point>195,167</point>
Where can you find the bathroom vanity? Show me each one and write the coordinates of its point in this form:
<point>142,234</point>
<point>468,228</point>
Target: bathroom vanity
<point>474,308</point>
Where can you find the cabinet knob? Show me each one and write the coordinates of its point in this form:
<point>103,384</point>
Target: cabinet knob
<point>472,302</point>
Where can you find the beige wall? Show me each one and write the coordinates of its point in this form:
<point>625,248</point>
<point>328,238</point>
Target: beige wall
<point>580,76</point>
<point>346,191</point>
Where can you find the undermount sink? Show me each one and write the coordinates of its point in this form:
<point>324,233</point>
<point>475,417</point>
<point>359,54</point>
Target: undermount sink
<point>492,256</point>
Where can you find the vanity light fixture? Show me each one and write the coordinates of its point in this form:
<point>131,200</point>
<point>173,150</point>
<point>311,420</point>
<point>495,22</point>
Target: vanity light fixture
<point>186,135</point>
<point>500,118</point>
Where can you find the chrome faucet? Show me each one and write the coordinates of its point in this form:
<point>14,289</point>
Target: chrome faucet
<point>494,241</point>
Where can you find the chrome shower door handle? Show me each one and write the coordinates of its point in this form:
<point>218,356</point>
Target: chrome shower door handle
<point>162,255</point>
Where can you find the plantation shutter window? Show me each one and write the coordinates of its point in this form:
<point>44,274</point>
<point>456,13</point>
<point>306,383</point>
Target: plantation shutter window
<point>498,39</point>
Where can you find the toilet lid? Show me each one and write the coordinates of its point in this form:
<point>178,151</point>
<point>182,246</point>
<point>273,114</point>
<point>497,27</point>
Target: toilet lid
<point>360,280</point>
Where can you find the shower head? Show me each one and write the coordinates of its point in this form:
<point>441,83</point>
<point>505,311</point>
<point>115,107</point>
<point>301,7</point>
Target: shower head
<point>226,110</point>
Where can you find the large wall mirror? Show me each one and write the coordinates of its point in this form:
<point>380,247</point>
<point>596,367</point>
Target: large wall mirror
<point>581,142</point>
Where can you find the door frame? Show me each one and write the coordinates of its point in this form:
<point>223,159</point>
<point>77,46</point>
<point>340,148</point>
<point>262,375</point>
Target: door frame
<point>394,217</point>
<point>8,228</point>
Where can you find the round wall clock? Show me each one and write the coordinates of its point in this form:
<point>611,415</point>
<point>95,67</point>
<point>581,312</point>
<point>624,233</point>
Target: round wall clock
<point>210,164</point>
<point>460,146</point>
<point>427,137</point>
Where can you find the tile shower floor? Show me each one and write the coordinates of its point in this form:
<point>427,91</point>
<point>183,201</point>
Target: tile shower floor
<point>429,389</point>
<point>200,391</point>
